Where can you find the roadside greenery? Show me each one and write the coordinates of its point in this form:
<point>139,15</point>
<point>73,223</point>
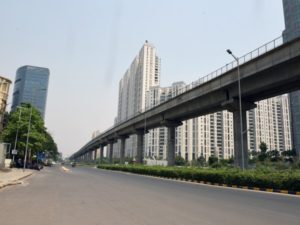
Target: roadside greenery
<point>267,169</point>
<point>40,140</point>
<point>261,177</point>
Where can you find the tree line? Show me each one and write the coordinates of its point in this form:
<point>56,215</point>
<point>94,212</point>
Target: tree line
<point>39,139</point>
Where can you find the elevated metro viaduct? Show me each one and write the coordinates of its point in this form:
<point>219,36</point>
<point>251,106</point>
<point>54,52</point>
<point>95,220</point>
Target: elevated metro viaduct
<point>274,73</point>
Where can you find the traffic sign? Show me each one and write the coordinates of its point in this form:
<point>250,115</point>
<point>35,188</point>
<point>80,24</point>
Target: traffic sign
<point>14,152</point>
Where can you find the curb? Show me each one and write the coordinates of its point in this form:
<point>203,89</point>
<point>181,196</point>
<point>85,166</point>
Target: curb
<point>15,182</point>
<point>270,190</point>
<point>248,187</point>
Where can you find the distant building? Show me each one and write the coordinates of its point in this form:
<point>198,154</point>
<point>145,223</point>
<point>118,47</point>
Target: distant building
<point>95,133</point>
<point>212,134</point>
<point>270,123</point>
<point>291,10</point>
<point>144,73</point>
<point>31,86</point>
<point>4,89</point>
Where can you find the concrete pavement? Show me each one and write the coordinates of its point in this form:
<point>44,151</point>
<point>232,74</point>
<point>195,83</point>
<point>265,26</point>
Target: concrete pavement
<point>92,196</point>
<point>13,176</point>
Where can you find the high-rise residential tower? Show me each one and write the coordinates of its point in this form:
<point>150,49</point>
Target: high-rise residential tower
<point>213,134</point>
<point>31,86</point>
<point>143,74</point>
<point>291,9</point>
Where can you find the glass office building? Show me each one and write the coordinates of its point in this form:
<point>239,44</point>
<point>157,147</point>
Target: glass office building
<point>31,86</point>
<point>291,10</point>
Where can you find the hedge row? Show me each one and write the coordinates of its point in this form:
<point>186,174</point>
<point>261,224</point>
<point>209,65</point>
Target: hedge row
<point>287,180</point>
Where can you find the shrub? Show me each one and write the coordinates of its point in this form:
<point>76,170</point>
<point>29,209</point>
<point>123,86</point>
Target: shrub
<point>212,160</point>
<point>262,177</point>
<point>179,161</point>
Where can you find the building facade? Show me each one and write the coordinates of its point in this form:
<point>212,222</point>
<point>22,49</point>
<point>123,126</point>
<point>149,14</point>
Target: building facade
<point>291,9</point>
<point>144,73</point>
<point>213,134</point>
<point>31,86</point>
<point>209,135</point>
<point>4,89</point>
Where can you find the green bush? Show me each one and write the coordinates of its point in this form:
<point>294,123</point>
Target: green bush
<point>212,160</point>
<point>262,177</point>
<point>179,161</point>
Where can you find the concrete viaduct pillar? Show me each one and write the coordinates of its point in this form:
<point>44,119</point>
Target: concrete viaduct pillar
<point>122,149</point>
<point>232,105</point>
<point>95,154</point>
<point>101,153</point>
<point>238,154</point>
<point>171,125</point>
<point>140,147</point>
<point>111,150</point>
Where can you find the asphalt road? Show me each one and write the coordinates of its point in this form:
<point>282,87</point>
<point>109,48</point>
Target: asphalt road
<point>88,196</point>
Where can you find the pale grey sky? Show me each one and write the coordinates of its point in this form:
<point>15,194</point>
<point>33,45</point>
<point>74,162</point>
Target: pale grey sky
<point>89,44</point>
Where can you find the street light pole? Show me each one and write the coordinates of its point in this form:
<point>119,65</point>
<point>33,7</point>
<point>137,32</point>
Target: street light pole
<point>240,105</point>
<point>145,131</point>
<point>26,149</point>
<point>29,124</point>
<point>17,133</point>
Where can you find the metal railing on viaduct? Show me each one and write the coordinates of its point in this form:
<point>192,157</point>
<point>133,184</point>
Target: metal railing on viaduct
<point>268,71</point>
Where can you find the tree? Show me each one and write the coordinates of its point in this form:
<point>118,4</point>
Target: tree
<point>273,155</point>
<point>201,161</point>
<point>253,156</point>
<point>39,138</point>
<point>289,155</point>
<point>263,151</point>
<point>212,160</point>
<point>50,146</point>
<point>179,161</point>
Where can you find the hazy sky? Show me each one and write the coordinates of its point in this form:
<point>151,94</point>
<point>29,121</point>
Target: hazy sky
<point>89,44</point>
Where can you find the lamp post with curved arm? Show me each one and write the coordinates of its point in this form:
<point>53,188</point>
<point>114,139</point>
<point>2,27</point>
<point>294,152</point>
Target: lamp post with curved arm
<point>240,105</point>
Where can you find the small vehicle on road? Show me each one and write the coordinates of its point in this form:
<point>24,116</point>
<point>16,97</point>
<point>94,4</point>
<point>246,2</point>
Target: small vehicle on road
<point>73,164</point>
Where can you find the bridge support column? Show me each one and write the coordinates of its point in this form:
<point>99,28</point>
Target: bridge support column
<point>90,155</point>
<point>122,150</point>
<point>171,125</point>
<point>140,150</point>
<point>240,158</point>
<point>111,151</point>
<point>101,153</point>
<point>95,154</point>
<point>240,136</point>
<point>171,146</point>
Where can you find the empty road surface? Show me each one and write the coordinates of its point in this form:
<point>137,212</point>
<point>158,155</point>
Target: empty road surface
<point>89,196</point>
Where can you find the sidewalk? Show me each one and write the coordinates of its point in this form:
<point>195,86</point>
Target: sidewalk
<point>13,176</point>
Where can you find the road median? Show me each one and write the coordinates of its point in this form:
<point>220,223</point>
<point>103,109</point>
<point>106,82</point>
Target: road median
<point>286,182</point>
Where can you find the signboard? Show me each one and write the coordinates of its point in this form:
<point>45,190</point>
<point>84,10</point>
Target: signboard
<point>41,156</point>
<point>14,152</point>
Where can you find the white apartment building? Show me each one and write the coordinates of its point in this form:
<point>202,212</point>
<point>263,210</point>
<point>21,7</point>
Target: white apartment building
<point>207,135</point>
<point>144,73</point>
<point>270,123</point>
<point>212,134</point>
